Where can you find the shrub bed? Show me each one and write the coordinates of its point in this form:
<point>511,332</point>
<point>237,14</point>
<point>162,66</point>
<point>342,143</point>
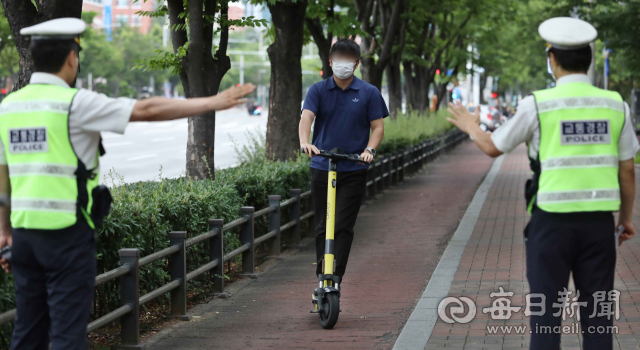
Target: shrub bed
<point>143,213</point>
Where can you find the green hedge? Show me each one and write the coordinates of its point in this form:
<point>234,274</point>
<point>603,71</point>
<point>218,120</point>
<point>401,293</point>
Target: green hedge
<point>143,213</point>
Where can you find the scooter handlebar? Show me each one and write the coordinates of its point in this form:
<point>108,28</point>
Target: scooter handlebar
<point>333,154</point>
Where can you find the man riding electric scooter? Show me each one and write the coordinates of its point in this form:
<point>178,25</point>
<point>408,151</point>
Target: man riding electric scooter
<point>348,115</point>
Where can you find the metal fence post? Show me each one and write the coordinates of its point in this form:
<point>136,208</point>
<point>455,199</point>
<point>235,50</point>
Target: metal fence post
<point>371,176</point>
<point>216,252</point>
<point>274,225</point>
<point>401,167</point>
<point>129,295</point>
<point>294,214</point>
<point>178,271</point>
<point>380,174</point>
<point>246,237</point>
<point>311,227</point>
<point>394,167</point>
<point>387,179</point>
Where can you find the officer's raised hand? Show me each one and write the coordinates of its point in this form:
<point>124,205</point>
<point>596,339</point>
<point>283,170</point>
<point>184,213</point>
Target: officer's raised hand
<point>464,120</point>
<point>232,96</point>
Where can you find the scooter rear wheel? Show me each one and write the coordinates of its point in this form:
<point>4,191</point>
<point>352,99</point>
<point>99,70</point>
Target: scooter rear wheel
<point>330,312</point>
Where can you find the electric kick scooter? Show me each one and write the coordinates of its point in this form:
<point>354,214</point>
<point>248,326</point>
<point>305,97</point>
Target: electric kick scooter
<point>326,298</point>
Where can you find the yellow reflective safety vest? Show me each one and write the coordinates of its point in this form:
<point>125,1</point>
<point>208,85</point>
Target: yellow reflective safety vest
<point>50,186</point>
<point>577,165</point>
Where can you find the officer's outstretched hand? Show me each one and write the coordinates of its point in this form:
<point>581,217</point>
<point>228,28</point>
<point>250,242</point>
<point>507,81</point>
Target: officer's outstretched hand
<point>5,239</point>
<point>461,117</point>
<point>628,233</point>
<point>232,96</point>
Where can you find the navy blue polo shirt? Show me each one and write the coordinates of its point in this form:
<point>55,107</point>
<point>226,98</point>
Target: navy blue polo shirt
<point>343,118</point>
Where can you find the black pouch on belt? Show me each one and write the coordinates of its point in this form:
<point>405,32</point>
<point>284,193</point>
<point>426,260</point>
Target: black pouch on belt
<point>101,204</point>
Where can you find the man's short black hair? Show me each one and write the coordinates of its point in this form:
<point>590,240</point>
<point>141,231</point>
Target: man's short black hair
<point>49,55</point>
<point>577,60</point>
<point>346,46</point>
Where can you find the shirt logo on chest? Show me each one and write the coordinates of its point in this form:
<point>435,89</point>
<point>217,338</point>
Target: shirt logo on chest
<point>355,100</point>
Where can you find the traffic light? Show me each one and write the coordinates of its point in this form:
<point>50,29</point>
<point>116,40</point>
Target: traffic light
<point>320,72</point>
<point>494,95</point>
<point>437,71</point>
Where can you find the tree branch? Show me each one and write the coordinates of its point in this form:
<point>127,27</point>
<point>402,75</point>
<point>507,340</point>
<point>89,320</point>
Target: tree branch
<point>394,26</point>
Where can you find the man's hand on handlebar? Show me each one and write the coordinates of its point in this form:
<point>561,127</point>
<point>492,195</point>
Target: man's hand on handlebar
<point>366,156</point>
<point>309,149</point>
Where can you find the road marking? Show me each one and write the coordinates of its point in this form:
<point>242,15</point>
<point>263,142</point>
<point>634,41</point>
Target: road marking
<point>157,131</point>
<point>115,144</point>
<point>418,329</point>
<point>162,139</point>
<point>142,157</point>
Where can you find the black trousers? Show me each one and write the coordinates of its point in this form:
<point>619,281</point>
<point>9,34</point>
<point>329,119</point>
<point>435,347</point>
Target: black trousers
<point>54,277</point>
<point>350,188</point>
<point>558,244</point>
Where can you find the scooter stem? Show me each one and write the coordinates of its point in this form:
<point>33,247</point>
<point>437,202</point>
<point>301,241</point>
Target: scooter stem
<point>329,267</point>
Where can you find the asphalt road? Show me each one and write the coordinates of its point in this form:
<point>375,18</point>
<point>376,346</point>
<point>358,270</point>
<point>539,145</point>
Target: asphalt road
<point>145,148</point>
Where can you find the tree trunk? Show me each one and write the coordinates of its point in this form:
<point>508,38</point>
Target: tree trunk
<point>285,94</point>
<point>394,82</point>
<point>201,75</point>
<point>22,13</point>
<point>371,72</point>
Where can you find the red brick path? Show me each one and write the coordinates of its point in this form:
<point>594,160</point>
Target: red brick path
<point>399,239</point>
<point>495,257</point>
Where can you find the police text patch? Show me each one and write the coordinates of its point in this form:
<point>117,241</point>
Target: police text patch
<point>585,132</point>
<point>28,140</point>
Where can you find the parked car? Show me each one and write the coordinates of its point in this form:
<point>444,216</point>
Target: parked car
<point>490,118</point>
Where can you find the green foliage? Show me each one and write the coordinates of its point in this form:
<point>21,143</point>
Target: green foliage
<point>412,128</point>
<point>9,58</point>
<point>111,62</point>
<point>143,213</point>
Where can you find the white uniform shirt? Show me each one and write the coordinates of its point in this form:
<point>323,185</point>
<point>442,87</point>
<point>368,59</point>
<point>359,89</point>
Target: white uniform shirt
<point>90,113</point>
<point>524,126</point>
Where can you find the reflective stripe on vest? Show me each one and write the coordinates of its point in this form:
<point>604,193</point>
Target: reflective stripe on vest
<point>580,102</point>
<point>45,189</point>
<point>579,162</point>
<point>579,130</point>
<point>611,194</point>
<point>45,169</point>
<point>61,206</point>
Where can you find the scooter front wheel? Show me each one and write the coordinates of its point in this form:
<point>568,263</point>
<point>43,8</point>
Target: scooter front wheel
<point>330,311</point>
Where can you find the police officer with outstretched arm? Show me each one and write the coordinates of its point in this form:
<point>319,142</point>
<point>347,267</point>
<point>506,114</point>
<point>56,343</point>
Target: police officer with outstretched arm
<point>49,167</point>
<point>581,146</point>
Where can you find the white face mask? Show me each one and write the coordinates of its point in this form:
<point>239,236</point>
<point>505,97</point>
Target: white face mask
<point>549,69</point>
<point>343,69</point>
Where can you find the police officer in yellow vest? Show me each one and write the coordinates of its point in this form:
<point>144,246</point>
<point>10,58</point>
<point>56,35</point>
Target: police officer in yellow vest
<point>581,146</point>
<point>49,167</point>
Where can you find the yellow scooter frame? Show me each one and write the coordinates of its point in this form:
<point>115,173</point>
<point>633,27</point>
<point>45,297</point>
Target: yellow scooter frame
<point>326,297</point>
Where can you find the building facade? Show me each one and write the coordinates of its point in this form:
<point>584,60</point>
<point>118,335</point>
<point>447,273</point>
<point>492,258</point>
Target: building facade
<point>122,13</point>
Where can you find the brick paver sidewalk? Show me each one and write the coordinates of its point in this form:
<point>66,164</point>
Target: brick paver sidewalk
<point>398,241</point>
<point>495,257</point>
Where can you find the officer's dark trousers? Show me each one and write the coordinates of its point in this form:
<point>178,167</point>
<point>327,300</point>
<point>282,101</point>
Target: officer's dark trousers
<point>54,278</point>
<point>351,186</point>
<point>577,243</point>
